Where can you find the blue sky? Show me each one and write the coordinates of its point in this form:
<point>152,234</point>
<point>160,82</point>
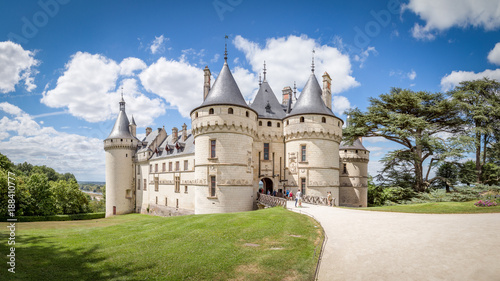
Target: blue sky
<point>67,61</point>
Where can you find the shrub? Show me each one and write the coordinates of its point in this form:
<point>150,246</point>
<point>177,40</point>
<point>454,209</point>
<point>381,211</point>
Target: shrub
<point>86,216</point>
<point>485,203</point>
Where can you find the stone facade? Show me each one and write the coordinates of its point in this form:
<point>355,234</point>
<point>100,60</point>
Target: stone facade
<point>234,150</point>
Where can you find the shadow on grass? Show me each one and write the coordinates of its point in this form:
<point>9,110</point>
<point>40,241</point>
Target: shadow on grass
<point>39,258</point>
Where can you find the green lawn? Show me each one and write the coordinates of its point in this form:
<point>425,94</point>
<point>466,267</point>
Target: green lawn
<point>281,245</point>
<point>437,208</point>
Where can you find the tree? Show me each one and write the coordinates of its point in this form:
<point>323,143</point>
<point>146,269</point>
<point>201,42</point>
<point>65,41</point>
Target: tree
<point>448,175</point>
<point>68,198</point>
<point>467,172</point>
<point>490,174</point>
<point>479,103</point>
<point>5,163</point>
<point>41,201</point>
<point>414,120</point>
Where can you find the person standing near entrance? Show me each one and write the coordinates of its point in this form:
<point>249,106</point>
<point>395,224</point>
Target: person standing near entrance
<point>329,198</point>
<point>299,198</point>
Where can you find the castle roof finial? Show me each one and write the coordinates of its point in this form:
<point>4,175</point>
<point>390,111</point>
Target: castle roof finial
<point>312,65</point>
<point>264,71</point>
<point>294,90</point>
<point>260,80</point>
<point>225,51</point>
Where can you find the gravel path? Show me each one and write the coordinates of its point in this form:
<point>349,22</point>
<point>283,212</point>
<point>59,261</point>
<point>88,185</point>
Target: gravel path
<point>365,245</point>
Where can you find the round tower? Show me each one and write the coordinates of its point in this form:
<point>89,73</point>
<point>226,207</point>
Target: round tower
<point>354,174</point>
<point>223,128</point>
<point>312,138</point>
<point>120,147</point>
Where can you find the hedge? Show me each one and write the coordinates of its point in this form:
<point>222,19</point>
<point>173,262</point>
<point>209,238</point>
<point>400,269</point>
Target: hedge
<point>85,216</point>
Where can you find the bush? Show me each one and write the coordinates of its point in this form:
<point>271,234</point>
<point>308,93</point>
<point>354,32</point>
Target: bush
<point>485,203</point>
<point>86,216</point>
<point>378,195</point>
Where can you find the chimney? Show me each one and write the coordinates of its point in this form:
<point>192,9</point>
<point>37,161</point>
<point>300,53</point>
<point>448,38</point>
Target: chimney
<point>184,132</point>
<point>175,134</point>
<point>287,95</point>
<point>206,83</point>
<point>148,131</point>
<point>327,90</point>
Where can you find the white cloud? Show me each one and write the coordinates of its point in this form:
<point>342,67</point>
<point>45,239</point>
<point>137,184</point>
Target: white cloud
<point>453,79</point>
<point>445,14</point>
<point>411,75</point>
<point>178,82</point>
<point>129,65</point>
<point>361,58</point>
<point>88,89</point>
<point>25,140</point>
<point>340,104</point>
<point>288,59</point>
<point>16,65</point>
<point>494,55</point>
<point>247,82</point>
<point>157,45</point>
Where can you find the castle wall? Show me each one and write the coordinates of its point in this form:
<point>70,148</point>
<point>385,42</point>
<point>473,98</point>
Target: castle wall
<point>354,178</point>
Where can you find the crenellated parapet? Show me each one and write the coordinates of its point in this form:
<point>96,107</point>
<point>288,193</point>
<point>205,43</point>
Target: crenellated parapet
<point>130,144</point>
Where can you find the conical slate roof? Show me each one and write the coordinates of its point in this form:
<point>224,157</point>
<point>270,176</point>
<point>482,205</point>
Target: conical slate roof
<point>120,129</point>
<point>266,104</point>
<point>357,144</point>
<point>225,91</point>
<point>310,100</point>
<point>132,121</point>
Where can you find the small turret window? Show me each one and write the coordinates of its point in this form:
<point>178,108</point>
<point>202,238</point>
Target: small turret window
<point>196,115</point>
<point>230,110</point>
<point>356,151</point>
<point>287,122</point>
<point>278,124</point>
<point>323,120</point>
<point>301,119</point>
<point>269,124</point>
<point>345,169</point>
<point>260,123</point>
<point>211,111</point>
<point>246,113</point>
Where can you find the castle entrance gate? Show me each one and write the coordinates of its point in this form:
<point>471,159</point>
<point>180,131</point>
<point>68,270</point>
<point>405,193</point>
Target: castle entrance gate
<point>267,185</point>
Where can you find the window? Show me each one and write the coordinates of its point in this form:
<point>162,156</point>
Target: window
<point>150,168</point>
<point>211,111</point>
<point>260,123</point>
<point>246,113</point>
<point>166,201</point>
<point>170,166</point>
<point>212,186</point>
<point>278,124</point>
<point>145,185</point>
<point>266,151</point>
<point>212,149</point>
<point>128,194</point>
<point>177,165</point>
<point>269,124</point>
<point>164,167</point>
<point>177,203</point>
<point>156,200</point>
<point>156,168</point>
<point>185,189</point>
<point>177,184</point>
<point>196,115</point>
<point>230,110</point>
<point>301,119</point>
<point>345,169</point>
<point>287,122</point>
<point>303,153</point>
<point>323,120</point>
<point>356,151</point>
<point>138,184</point>
<point>339,123</point>
<point>156,184</point>
<point>303,185</point>
<point>185,165</point>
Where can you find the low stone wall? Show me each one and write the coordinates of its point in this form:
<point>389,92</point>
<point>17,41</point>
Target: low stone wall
<point>316,200</point>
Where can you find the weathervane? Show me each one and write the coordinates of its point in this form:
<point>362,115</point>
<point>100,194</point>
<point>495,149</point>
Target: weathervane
<point>225,52</point>
<point>260,80</point>
<point>312,66</point>
<point>264,70</point>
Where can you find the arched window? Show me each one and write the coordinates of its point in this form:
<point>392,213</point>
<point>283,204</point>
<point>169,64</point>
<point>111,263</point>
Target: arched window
<point>323,120</point>
<point>269,124</point>
<point>301,119</point>
<point>230,110</point>
<point>287,122</point>
<point>246,113</point>
<point>211,111</point>
<point>339,123</point>
<point>260,123</point>
<point>278,124</point>
<point>196,114</point>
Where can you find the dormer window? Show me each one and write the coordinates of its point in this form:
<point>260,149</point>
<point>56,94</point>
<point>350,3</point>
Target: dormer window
<point>230,110</point>
<point>323,120</point>
<point>302,119</point>
<point>269,124</point>
<point>211,111</point>
<point>247,114</point>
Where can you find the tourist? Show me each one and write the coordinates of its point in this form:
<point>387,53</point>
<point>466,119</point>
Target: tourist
<point>329,198</point>
<point>291,195</point>
<point>298,199</point>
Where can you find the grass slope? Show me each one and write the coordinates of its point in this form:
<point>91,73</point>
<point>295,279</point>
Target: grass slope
<point>141,247</point>
<point>437,208</point>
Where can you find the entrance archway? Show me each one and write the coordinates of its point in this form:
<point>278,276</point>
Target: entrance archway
<point>267,185</point>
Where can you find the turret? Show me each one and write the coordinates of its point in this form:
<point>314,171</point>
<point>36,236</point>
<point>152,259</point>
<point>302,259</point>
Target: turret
<point>327,90</point>
<point>206,82</point>
<point>120,147</point>
<point>132,126</point>
<point>354,174</point>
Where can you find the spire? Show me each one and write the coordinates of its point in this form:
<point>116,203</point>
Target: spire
<point>121,128</point>
<point>260,80</point>
<point>312,65</point>
<point>122,103</point>
<point>294,90</point>
<point>225,51</point>
<point>310,100</point>
<point>264,71</point>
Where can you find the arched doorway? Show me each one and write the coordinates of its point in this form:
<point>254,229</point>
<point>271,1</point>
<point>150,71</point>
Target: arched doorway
<point>267,185</point>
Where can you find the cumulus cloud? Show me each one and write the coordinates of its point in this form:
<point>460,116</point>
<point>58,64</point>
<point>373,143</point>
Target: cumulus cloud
<point>453,79</point>
<point>178,82</point>
<point>23,139</point>
<point>494,54</point>
<point>157,45</point>
<point>361,58</point>
<point>129,65</point>
<point>247,82</point>
<point>445,14</point>
<point>288,59</point>
<point>16,65</point>
<point>88,89</point>
<point>411,75</point>
<point>340,104</point>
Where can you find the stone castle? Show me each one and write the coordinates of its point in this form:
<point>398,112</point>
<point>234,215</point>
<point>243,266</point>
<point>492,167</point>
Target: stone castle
<point>235,150</point>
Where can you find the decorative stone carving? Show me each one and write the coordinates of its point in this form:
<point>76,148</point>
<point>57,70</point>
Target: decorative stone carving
<point>292,162</point>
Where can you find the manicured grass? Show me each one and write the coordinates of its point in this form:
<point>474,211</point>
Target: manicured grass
<point>437,208</point>
<point>270,244</point>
